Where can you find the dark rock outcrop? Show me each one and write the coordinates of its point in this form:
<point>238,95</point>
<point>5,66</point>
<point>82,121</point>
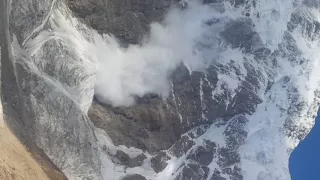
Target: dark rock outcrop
<point>150,125</point>
<point>203,154</point>
<point>193,172</point>
<point>127,161</point>
<point>127,20</point>
<point>158,163</point>
<point>241,34</point>
<point>134,177</point>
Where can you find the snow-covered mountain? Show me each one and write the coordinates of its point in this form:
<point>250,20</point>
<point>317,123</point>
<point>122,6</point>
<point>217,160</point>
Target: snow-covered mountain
<point>162,89</point>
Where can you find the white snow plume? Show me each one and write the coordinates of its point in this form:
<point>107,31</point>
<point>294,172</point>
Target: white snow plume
<point>124,73</point>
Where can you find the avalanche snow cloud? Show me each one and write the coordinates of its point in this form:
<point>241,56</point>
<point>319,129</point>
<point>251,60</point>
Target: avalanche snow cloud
<point>124,73</point>
<point>186,35</point>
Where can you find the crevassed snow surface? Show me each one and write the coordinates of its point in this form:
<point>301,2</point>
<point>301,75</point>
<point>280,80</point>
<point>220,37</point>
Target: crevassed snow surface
<point>122,74</point>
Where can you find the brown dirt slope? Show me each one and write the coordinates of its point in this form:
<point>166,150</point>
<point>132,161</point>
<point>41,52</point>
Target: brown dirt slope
<point>16,163</point>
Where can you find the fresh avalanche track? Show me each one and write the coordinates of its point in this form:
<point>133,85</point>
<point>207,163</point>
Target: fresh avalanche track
<point>253,71</point>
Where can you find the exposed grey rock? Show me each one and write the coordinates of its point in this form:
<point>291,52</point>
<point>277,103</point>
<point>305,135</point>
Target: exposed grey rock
<point>127,20</point>
<point>228,157</point>
<point>204,154</point>
<point>123,157</point>
<point>234,2</point>
<point>212,1</point>
<point>134,177</point>
<point>235,132</point>
<point>193,172</point>
<point>310,28</point>
<point>151,125</point>
<point>217,176</point>
<point>198,131</point>
<point>312,3</point>
<point>158,163</point>
<point>129,162</point>
<point>241,34</point>
<point>181,146</point>
<point>137,161</point>
<point>186,86</point>
<point>234,173</point>
<point>288,48</point>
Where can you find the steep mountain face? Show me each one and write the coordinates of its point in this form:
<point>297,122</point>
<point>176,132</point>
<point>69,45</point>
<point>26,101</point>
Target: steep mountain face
<point>128,20</point>
<point>162,90</point>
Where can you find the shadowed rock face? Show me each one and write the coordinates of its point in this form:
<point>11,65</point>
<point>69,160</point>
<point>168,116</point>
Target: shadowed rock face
<point>124,159</point>
<point>203,154</point>
<point>241,34</point>
<point>134,177</point>
<point>151,125</point>
<point>127,20</point>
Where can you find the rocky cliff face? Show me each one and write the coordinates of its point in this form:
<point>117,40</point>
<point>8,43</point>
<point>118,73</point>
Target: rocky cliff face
<point>128,20</point>
<point>237,118</point>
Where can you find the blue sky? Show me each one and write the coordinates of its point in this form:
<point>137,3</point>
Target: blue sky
<point>304,162</point>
